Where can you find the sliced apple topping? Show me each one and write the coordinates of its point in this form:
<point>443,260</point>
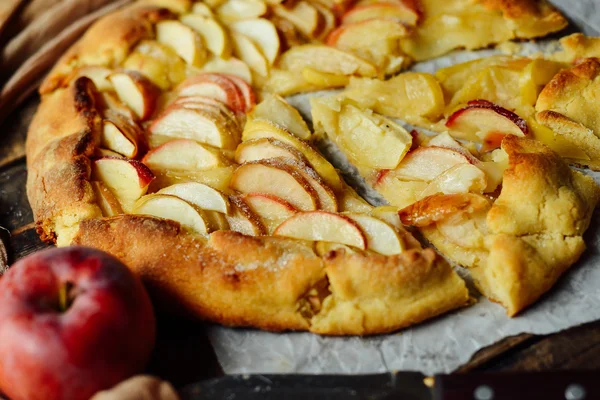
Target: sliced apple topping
<point>235,10</point>
<point>406,12</point>
<point>388,214</point>
<point>173,208</point>
<point>98,75</point>
<point>324,79</point>
<point>486,122</point>
<point>183,154</point>
<point>350,201</point>
<point>230,66</point>
<point>121,135</point>
<point>370,139</point>
<point>274,108</point>
<point>109,102</point>
<point>127,179</point>
<point>461,178</point>
<point>326,197</point>
<point>216,86</point>
<point>302,15</point>
<point>217,177</point>
<point>270,209</point>
<point>199,195</point>
<point>323,226</point>
<point>324,248</point>
<point>438,207</point>
<point>260,128</point>
<point>248,52</point>
<point>246,90</point>
<point>135,91</point>
<point>325,59</point>
<point>278,179</point>
<point>213,34</point>
<point>263,33</point>
<point>106,200</point>
<point>211,105</point>
<point>426,163</point>
<point>202,9</point>
<point>186,42</point>
<point>243,220</point>
<point>158,62</point>
<point>200,125</point>
<point>381,237</point>
<point>265,148</point>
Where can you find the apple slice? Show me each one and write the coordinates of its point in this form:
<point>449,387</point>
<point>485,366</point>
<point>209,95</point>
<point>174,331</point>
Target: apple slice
<point>183,154</point>
<point>98,75</point>
<point>106,200</point>
<point>212,33</point>
<point>201,125</point>
<point>302,15</point>
<point>235,10</point>
<point>324,248</point>
<point>136,91</point>
<point>381,237</point>
<point>127,179</point>
<point>274,108</point>
<point>184,40</point>
<point>202,9</point>
<point>158,62</point>
<point>486,122</point>
<point>246,90</point>
<point>370,139</point>
<point>217,178</point>
<point>461,178</point>
<point>445,140</point>
<point>173,208</point>
<point>263,33</point>
<point>364,34</point>
<point>350,201</point>
<point>324,79</point>
<point>325,195</point>
<point>323,226</point>
<point>265,148</point>
<point>216,86</point>
<point>325,59</point>
<point>278,179</point>
<point>406,12</point>
<point>199,195</point>
<point>249,53</point>
<point>398,192</point>
<point>243,220</point>
<point>230,66</point>
<point>121,135</point>
<point>109,102</point>
<point>260,128</point>
<point>270,209</point>
<point>426,163</point>
<point>213,106</point>
<point>436,208</point>
<point>388,214</point>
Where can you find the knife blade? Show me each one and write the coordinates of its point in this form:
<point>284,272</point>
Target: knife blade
<point>559,385</point>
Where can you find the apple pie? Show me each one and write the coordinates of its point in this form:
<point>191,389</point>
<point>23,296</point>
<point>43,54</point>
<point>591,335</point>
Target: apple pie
<point>162,138</point>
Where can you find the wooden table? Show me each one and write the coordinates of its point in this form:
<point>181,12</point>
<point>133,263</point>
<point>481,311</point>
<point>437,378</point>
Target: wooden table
<point>183,353</point>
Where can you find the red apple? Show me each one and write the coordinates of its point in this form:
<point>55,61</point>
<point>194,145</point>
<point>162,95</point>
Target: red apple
<point>73,321</point>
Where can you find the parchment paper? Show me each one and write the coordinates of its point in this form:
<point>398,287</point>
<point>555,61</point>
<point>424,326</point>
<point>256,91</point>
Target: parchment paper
<point>443,344</point>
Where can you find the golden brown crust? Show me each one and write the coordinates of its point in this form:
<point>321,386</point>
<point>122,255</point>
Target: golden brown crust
<point>578,46</point>
<point>107,43</point>
<point>278,284</point>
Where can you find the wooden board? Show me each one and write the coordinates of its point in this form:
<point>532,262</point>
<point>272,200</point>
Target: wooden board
<point>183,354</point>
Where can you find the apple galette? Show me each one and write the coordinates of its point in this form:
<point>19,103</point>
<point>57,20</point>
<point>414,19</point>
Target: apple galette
<point>162,138</point>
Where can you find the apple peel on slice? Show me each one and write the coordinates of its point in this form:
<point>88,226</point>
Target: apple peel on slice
<point>243,220</point>
<point>323,226</point>
<point>199,195</point>
<point>406,12</point>
<point>271,210</point>
<point>381,237</point>
<point>183,154</point>
<point>136,91</point>
<point>173,208</point>
<point>265,148</point>
<point>216,86</point>
<point>121,135</point>
<point>427,163</point>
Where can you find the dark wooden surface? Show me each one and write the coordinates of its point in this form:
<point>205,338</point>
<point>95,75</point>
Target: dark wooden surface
<point>183,353</point>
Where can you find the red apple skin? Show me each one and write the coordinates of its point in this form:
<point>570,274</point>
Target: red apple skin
<point>105,336</point>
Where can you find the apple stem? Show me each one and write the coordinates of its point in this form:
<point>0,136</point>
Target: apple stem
<point>65,296</point>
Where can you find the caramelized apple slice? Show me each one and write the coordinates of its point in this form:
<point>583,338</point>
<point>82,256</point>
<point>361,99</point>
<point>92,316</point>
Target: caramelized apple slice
<point>278,179</point>
<point>127,179</point>
<point>200,125</point>
<point>461,178</point>
<point>265,148</point>
<point>136,91</point>
<point>270,209</point>
<point>216,86</point>
<point>325,59</point>
<point>275,109</point>
<point>381,237</point>
<point>121,135</point>
<point>199,195</point>
<point>248,52</point>
<point>263,33</point>
<point>186,42</point>
<point>323,226</point>
<point>106,200</point>
<point>173,208</point>
<point>486,122</point>
<point>260,128</point>
<point>213,34</point>
<point>406,12</point>
<point>302,15</point>
<point>426,163</point>
<point>438,207</point>
<point>158,62</point>
<point>364,34</point>
<point>243,220</point>
<point>325,195</point>
<point>324,79</point>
